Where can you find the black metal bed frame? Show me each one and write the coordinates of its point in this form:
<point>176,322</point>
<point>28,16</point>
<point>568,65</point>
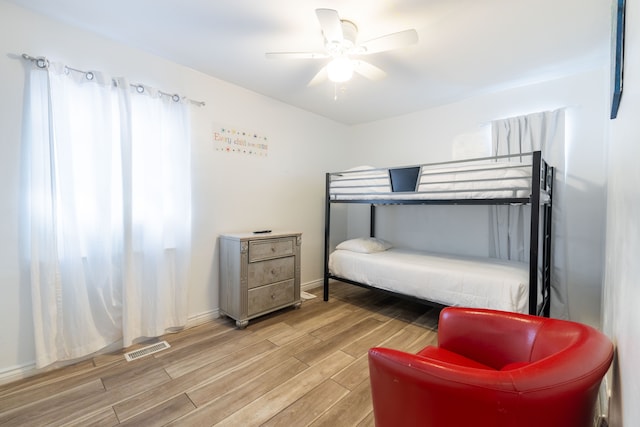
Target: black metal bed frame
<point>542,176</point>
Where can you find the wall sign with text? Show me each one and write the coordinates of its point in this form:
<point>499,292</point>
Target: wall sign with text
<point>233,140</point>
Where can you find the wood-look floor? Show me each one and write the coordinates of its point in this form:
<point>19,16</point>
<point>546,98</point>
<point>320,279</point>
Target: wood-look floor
<point>305,367</point>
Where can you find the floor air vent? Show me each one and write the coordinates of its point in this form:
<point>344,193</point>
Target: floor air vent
<point>145,351</point>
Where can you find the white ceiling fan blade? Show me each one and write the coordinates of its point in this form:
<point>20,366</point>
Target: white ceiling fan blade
<point>296,55</point>
<point>368,70</point>
<point>390,41</point>
<point>320,77</point>
<point>330,24</point>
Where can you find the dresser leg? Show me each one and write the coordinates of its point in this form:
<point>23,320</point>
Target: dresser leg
<point>241,324</point>
<point>297,305</point>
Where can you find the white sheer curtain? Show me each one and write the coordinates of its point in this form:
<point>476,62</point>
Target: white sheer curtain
<point>159,239</point>
<point>542,131</point>
<point>84,139</point>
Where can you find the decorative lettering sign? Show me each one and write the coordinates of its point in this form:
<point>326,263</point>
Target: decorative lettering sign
<point>230,140</point>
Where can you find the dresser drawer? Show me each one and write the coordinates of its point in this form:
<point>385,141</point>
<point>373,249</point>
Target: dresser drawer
<point>271,271</point>
<point>271,248</point>
<point>270,296</point>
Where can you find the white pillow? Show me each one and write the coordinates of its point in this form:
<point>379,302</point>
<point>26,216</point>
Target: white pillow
<point>365,245</point>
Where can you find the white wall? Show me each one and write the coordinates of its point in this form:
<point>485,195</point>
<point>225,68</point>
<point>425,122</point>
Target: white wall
<point>622,265</point>
<point>230,192</point>
<point>439,134</point>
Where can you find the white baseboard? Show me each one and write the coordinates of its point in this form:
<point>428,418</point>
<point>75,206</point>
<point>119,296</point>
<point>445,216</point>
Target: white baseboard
<point>199,319</point>
<point>18,372</point>
<point>312,285</point>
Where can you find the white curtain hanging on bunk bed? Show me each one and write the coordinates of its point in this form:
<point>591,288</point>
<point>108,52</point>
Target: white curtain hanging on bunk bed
<point>542,131</point>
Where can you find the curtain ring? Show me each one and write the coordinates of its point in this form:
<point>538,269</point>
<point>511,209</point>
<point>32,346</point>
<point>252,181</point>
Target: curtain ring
<point>42,63</point>
<point>140,89</point>
<point>89,75</point>
<point>175,97</point>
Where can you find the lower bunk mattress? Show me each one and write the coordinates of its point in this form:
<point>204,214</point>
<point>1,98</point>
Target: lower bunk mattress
<point>450,280</point>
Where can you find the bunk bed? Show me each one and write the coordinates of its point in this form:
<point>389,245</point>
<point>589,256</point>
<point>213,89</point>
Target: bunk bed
<point>447,279</point>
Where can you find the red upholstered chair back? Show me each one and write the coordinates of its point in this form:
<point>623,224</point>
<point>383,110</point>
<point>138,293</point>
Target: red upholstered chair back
<point>493,368</point>
<point>495,339</point>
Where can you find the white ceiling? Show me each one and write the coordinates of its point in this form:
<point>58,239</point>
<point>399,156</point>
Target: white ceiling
<point>466,47</point>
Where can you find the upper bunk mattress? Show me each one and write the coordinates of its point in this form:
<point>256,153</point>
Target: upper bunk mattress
<point>445,279</point>
<point>488,180</point>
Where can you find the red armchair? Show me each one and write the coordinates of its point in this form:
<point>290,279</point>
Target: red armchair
<point>493,368</point>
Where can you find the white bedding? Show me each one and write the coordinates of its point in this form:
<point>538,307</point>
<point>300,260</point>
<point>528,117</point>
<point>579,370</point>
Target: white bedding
<point>471,181</point>
<point>444,279</point>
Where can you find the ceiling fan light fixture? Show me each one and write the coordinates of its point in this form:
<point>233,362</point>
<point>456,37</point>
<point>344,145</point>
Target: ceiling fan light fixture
<point>342,49</point>
<point>340,70</point>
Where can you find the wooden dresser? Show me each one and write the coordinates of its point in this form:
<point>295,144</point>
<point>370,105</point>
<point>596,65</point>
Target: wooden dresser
<point>259,273</point>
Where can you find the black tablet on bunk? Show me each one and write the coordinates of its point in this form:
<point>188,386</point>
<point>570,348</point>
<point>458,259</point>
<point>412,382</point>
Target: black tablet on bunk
<point>404,179</point>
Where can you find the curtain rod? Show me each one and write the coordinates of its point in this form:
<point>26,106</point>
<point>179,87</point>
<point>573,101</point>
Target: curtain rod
<point>43,62</point>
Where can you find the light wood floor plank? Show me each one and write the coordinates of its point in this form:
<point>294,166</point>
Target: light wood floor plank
<point>362,345</point>
<point>38,393</point>
<point>35,382</point>
<point>105,418</point>
<point>280,397</point>
<point>286,335</point>
<point>47,410</point>
<point>403,339</point>
<point>354,374</point>
<point>194,379</point>
<point>206,355</point>
<point>162,414</point>
<point>350,410</point>
<point>333,313</point>
<point>293,367</point>
<point>149,371</point>
<point>219,407</point>
<point>310,406</point>
<point>324,348</point>
<point>368,421</point>
<point>342,324</point>
<point>246,374</point>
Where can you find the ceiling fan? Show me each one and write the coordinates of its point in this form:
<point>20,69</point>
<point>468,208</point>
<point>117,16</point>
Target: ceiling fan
<point>341,46</point>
